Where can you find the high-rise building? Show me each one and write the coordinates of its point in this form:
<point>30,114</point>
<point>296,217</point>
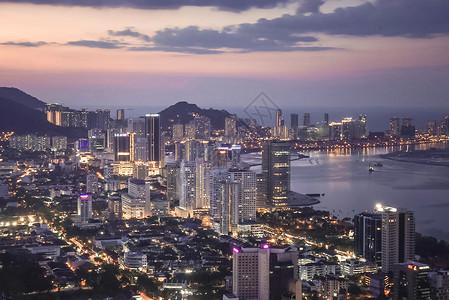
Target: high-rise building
<point>395,127</point>
<point>136,203</point>
<point>30,142</point>
<point>276,171</point>
<point>251,273</point>
<point>173,181</point>
<point>306,120</point>
<point>124,147</point>
<point>398,236</point>
<point>97,139</point>
<point>283,271</point>
<point>368,236</point>
<point>294,120</point>
<point>432,127</point>
<point>189,130</point>
<point>244,209</point>
<point>58,143</point>
<point>326,119</point>
<point>91,184</point>
<point>178,132</point>
<point>120,114</point>
<point>202,175</point>
<point>85,208</point>
<point>411,281</point>
<point>153,134</point>
<point>407,128</point>
<point>188,185</point>
<point>231,126</point>
<point>279,118</point>
<point>439,284</point>
<point>202,127</point>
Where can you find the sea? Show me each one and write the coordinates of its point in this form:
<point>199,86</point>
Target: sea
<point>349,188</point>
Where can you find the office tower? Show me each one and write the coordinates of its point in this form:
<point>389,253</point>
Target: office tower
<point>179,151</point>
<point>91,184</point>
<point>279,118</point>
<point>120,114</point>
<point>124,147</point>
<point>335,131</point>
<point>276,170</point>
<point>136,126</point>
<point>231,126</point>
<point>306,120</point>
<point>444,126</point>
<point>102,119</point>
<point>202,175</point>
<point>368,236</point>
<point>136,203</point>
<point>153,134</point>
<point>178,132</point>
<point>235,155</point>
<point>245,209</point>
<point>58,143</point>
<point>173,181</point>
<point>398,236</point>
<point>188,185</point>
<point>395,127</point>
<point>283,271</point>
<point>326,119</point>
<point>85,208</point>
<point>439,284</point>
<point>431,127</point>
<point>261,192</point>
<point>294,120</point>
<point>250,273</point>
<point>407,128</point>
<point>411,281</point>
<point>140,147</point>
<point>227,199</point>
<point>361,130</point>
<point>97,139</point>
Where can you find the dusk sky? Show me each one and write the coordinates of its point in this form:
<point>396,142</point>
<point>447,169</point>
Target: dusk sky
<point>222,53</point>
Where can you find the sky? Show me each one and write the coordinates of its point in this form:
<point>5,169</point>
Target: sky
<point>223,53</point>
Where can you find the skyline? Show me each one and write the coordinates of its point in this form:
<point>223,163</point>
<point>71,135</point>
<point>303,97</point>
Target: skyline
<point>301,53</point>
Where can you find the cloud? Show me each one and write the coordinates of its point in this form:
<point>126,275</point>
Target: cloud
<point>228,5</point>
<point>96,44</point>
<point>130,32</point>
<point>187,50</point>
<point>310,6</point>
<point>25,44</point>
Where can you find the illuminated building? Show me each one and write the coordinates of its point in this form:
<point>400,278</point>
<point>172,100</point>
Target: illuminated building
<point>250,273</point>
<point>91,184</point>
<point>245,208</point>
<point>231,126</point>
<point>439,284</point>
<point>188,185</point>
<point>395,127</point>
<point>279,118</point>
<point>326,119</point>
<point>411,281</point>
<point>85,208</point>
<point>58,143</point>
<point>407,128</point>
<point>398,236</point>
<point>124,147</point>
<point>202,176</point>
<point>153,134</point>
<point>97,139</point>
<point>115,207</point>
<point>294,124</point>
<point>202,127</point>
<point>431,127</point>
<point>276,171</point>
<point>368,236</point>
<point>120,114</point>
<point>134,260</point>
<point>30,142</point>
<point>189,130</point>
<point>173,181</point>
<point>136,203</point>
<point>178,132</point>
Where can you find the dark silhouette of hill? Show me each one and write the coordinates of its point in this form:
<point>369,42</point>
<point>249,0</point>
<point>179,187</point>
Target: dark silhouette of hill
<point>22,98</point>
<point>22,119</point>
<point>183,112</point>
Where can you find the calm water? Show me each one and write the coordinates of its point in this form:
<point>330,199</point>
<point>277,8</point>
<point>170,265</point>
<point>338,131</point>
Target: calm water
<point>350,189</point>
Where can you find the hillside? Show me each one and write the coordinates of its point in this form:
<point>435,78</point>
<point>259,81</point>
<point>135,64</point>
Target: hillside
<point>21,98</point>
<point>182,112</point>
<point>22,120</point>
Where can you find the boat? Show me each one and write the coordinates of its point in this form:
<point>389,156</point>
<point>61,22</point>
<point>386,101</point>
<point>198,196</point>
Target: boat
<point>313,195</point>
<point>371,169</point>
<point>378,164</point>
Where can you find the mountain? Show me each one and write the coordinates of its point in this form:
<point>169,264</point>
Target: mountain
<point>182,112</point>
<point>22,119</point>
<point>22,98</point>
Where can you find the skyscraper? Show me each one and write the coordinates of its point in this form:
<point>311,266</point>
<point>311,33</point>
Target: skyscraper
<point>279,118</point>
<point>306,120</point>
<point>398,236</point>
<point>244,209</point>
<point>124,146</point>
<point>153,135</point>
<point>250,273</point>
<point>276,171</point>
<point>395,127</point>
<point>188,185</point>
<point>120,114</point>
<point>411,281</point>
<point>294,120</point>
<point>231,126</point>
<point>326,119</point>
<point>202,127</point>
<point>368,236</point>
<point>85,208</point>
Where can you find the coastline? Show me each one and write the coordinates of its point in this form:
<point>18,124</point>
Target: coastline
<point>432,157</point>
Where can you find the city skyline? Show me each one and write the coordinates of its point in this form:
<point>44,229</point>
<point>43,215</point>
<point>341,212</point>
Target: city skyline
<point>333,53</point>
